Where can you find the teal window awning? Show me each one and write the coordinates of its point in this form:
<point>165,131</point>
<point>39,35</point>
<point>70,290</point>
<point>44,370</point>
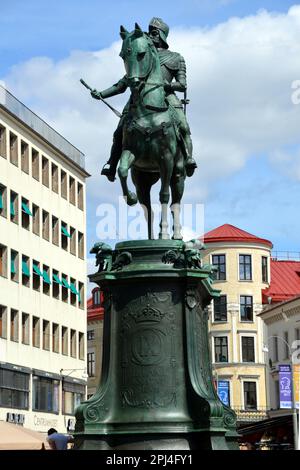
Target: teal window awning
<point>26,209</point>
<point>25,269</point>
<point>46,277</point>
<point>13,269</point>
<point>1,198</point>
<point>65,283</point>
<point>65,232</point>
<point>12,208</point>
<point>56,279</point>
<point>37,270</point>
<point>73,289</point>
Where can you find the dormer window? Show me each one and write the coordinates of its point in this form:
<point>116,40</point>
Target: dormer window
<point>97,297</point>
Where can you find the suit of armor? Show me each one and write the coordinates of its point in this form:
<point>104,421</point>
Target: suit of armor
<point>174,73</point>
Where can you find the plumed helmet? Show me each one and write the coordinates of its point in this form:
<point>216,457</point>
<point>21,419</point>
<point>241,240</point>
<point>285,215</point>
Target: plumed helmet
<point>163,28</point>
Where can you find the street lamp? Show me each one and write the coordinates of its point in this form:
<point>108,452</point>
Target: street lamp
<point>295,424</point>
<point>84,374</point>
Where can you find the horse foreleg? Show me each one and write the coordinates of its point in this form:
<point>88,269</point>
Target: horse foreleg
<point>177,188</point>
<point>127,159</point>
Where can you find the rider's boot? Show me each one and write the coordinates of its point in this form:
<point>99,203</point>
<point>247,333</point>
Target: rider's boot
<point>110,167</point>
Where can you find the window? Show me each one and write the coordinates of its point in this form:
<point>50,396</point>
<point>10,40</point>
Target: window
<point>97,297</point>
<point>220,308</point>
<point>56,282</point>
<point>36,275</point>
<point>277,394</point>
<point>74,291</point>
<point>3,322</point>
<point>81,295</point>
<point>64,184</point>
<point>35,158</point>
<point>3,151</point>
<point>55,338</point>
<point>46,335</point>
<point>264,269</point>
<point>14,208</point>
<point>26,214</point>
<point>14,389</point>
<point>64,340</point>
<point>13,148</point>
<point>65,235</point>
<point>245,268</point>
<point>91,364</point>
<point>248,354</point>
<point>25,271</point>
<point>14,265</point>
<point>220,262</point>
<point>46,232</point>
<point>14,325</point>
<point>64,288</point>
<point>3,261</point>
<point>80,245</point>
<point>221,349</point>
<point>246,307</point>
<point>24,157</point>
<point>45,394</point>
<point>36,219</point>
<point>250,399</point>
<point>286,345</point>
<point>297,334</point>
<point>36,332</point>
<point>73,343</point>
<point>3,201</point>
<point>45,171</point>
<point>72,395</point>
<point>81,346</point>
<point>90,335</point>
<point>80,196</point>
<point>55,239</point>
<point>275,339</point>
<point>54,177</point>
<point>46,280</point>
<point>72,190</point>
<point>25,328</point>
<point>73,241</point>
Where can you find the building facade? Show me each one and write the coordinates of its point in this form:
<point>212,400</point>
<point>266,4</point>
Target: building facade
<point>42,271</point>
<point>242,261</point>
<point>95,316</point>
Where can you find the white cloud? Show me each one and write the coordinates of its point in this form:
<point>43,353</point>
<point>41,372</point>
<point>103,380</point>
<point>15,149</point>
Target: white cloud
<point>239,76</point>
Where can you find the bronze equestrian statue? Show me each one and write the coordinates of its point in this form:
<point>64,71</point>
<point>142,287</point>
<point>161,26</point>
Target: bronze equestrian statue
<point>153,136</point>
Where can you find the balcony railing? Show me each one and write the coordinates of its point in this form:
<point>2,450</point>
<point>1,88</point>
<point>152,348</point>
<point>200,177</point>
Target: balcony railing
<point>285,255</point>
<point>18,109</point>
<point>250,416</point>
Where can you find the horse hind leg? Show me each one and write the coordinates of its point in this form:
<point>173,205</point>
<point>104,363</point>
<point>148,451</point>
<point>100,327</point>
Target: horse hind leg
<point>126,161</point>
<point>166,169</point>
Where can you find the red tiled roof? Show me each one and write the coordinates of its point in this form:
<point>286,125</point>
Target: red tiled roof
<point>230,233</point>
<point>94,312</point>
<point>285,281</point>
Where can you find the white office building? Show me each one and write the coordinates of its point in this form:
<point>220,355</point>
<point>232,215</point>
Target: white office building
<point>42,271</point>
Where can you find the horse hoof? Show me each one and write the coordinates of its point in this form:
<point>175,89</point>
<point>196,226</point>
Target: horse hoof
<point>131,199</point>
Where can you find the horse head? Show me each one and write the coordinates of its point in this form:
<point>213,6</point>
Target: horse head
<point>138,53</point>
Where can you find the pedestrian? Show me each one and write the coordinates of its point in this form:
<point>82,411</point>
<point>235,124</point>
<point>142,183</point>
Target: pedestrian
<point>58,441</point>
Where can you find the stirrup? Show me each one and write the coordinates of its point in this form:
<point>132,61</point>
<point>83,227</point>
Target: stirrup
<point>108,172</point>
<point>190,166</point>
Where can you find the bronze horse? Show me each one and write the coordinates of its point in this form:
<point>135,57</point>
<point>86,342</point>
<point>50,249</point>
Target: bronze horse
<point>151,141</point>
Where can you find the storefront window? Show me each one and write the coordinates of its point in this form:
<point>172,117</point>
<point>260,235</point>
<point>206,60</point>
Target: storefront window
<point>14,389</point>
<point>73,395</point>
<point>45,394</point>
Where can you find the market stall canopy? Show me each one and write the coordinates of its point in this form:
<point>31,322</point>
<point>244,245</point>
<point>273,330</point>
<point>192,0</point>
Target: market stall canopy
<point>16,437</point>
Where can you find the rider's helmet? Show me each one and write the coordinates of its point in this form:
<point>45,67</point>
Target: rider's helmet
<point>157,27</point>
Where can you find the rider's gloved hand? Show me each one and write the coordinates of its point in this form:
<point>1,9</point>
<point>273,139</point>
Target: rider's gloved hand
<point>96,94</point>
<point>167,87</point>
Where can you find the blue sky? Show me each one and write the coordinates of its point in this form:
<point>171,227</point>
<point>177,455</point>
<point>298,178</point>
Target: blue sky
<point>253,189</point>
